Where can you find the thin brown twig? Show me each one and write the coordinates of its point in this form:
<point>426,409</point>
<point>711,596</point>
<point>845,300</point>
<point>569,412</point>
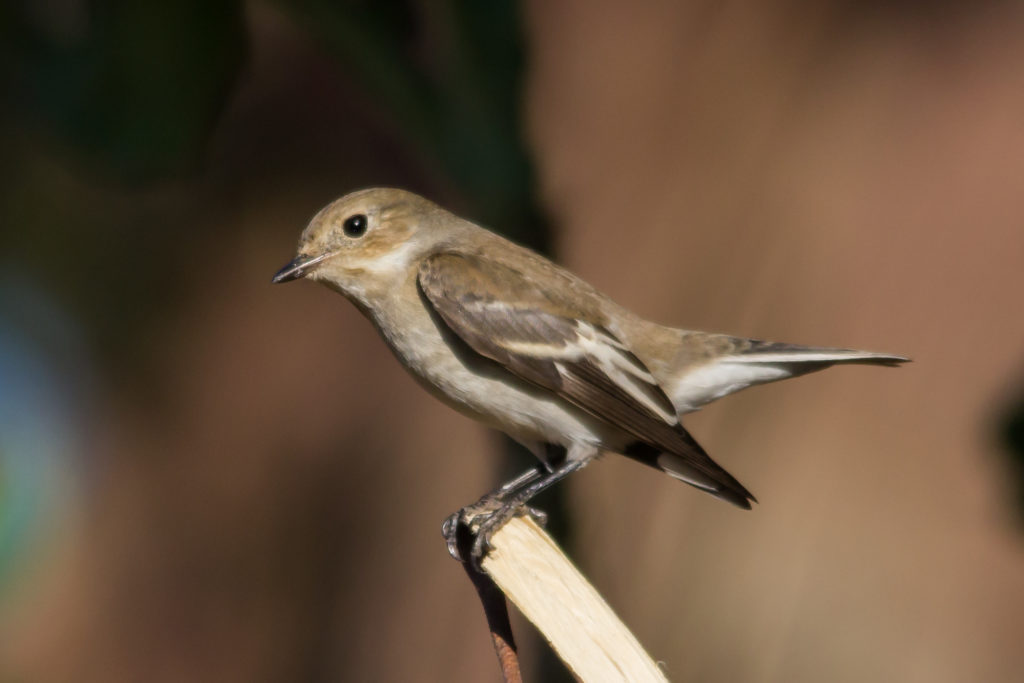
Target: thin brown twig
<point>496,610</point>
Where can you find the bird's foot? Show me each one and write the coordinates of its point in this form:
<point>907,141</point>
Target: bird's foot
<point>468,532</point>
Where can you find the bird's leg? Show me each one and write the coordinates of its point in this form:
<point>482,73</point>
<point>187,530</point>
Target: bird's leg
<point>488,503</point>
<point>478,522</point>
<point>514,505</point>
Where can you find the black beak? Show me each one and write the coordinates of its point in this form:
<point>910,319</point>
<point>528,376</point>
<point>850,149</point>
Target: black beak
<point>296,268</point>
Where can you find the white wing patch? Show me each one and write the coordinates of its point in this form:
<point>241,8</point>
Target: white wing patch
<point>619,364</point>
<point>596,345</point>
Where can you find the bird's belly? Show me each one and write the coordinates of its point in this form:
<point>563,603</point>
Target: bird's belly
<point>484,390</point>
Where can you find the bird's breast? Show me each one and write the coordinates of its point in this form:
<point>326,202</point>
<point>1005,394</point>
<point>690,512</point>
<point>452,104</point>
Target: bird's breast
<point>474,385</point>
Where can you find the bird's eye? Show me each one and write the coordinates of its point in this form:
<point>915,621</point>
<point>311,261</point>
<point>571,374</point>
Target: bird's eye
<point>355,226</point>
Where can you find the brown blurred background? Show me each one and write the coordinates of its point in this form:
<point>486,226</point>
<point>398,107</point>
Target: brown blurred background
<point>207,478</point>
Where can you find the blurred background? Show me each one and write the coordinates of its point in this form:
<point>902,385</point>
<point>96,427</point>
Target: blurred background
<point>206,478</point>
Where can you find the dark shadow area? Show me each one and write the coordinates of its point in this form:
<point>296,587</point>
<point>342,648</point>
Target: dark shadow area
<point>1011,432</point>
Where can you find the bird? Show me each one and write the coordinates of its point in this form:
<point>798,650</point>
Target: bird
<point>507,337</point>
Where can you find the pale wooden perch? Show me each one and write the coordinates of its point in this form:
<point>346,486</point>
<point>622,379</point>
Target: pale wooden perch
<point>541,581</point>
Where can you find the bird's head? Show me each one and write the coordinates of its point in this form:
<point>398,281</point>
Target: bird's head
<point>369,238</point>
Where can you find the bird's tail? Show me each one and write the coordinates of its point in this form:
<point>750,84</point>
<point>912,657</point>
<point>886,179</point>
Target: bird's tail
<point>739,363</point>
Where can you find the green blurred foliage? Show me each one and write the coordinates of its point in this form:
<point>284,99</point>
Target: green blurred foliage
<point>453,85</point>
<point>135,87</point>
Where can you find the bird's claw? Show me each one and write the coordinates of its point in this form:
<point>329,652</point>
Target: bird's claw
<point>536,514</point>
<point>471,528</point>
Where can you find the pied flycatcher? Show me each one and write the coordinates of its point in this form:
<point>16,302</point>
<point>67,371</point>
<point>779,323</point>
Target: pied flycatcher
<point>507,337</point>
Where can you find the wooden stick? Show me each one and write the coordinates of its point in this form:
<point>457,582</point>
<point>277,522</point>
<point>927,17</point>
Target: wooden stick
<point>533,572</point>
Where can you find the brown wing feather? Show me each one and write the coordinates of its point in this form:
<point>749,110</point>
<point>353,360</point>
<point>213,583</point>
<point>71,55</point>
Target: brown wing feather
<point>503,316</point>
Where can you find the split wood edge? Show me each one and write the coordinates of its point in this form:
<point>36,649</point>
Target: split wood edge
<point>547,588</point>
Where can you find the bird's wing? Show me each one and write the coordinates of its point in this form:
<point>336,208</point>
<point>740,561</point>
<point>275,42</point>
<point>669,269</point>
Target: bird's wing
<point>542,336</point>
